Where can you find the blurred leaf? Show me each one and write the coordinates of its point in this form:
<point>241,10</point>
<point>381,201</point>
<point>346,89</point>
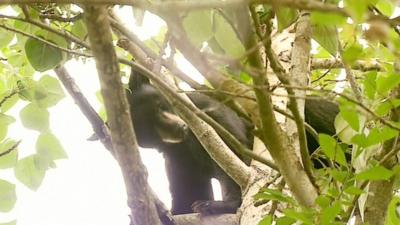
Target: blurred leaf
<point>79,29</point>
<point>323,201</point>
<point>349,113</point>
<point>28,172</point>
<point>48,145</point>
<point>5,38</point>
<point>370,84</point>
<point>42,56</point>
<point>5,120</point>
<point>393,217</point>
<point>324,19</point>
<point>10,159</point>
<point>327,37</point>
<point>286,17</point>
<point>354,190</point>
<point>332,149</point>
<point>34,117</point>
<point>386,82</point>
<point>329,213</point>
<point>14,222</point>
<point>379,135</point>
<point>9,100</point>
<point>284,220</point>
<point>275,195</point>
<point>26,89</point>
<point>227,38</point>
<point>54,91</point>
<point>301,216</point>
<point>384,107</point>
<point>375,173</point>
<point>339,175</point>
<point>386,7</point>
<point>357,9</point>
<point>198,26</point>
<point>266,220</point>
<point>343,130</point>
<point>8,196</point>
<point>352,53</point>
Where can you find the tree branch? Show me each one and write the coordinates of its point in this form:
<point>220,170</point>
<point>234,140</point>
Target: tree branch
<point>140,201</point>
<point>97,123</point>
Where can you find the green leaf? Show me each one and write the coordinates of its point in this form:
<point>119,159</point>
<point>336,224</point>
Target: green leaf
<point>35,118</point>
<point>339,175</point>
<point>323,201</point>
<point>375,173</point>
<point>9,100</point>
<point>49,146</point>
<point>354,191</point>
<point>8,196</point>
<point>26,89</point>
<point>284,220</point>
<point>326,19</point>
<point>275,195</point>
<point>42,56</point>
<point>5,120</point>
<point>357,9</point>
<point>286,17</point>
<point>10,159</point>
<point>79,29</point>
<point>386,7</point>
<point>328,214</point>
<point>327,37</point>
<point>392,217</point>
<point>379,135</point>
<point>384,107</point>
<point>54,91</point>
<point>227,38</point>
<point>343,130</point>
<point>353,53</point>
<point>266,220</point>
<point>332,149</point>
<point>350,114</point>
<point>370,84</point>
<point>304,217</point>
<point>386,82</point>
<point>29,173</point>
<point>14,222</point>
<point>5,38</point>
<point>198,26</point>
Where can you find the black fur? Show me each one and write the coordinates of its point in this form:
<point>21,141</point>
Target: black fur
<point>189,168</point>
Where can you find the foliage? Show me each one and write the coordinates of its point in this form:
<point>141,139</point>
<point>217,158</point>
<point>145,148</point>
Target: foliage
<point>31,93</point>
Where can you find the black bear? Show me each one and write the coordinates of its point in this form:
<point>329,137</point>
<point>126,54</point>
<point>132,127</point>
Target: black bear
<point>189,168</point>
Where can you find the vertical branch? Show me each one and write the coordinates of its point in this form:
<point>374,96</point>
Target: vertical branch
<point>299,73</point>
<point>298,180</point>
<point>143,210</point>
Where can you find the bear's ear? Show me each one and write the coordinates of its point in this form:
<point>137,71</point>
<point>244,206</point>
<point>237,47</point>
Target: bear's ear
<point>137,80</point>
